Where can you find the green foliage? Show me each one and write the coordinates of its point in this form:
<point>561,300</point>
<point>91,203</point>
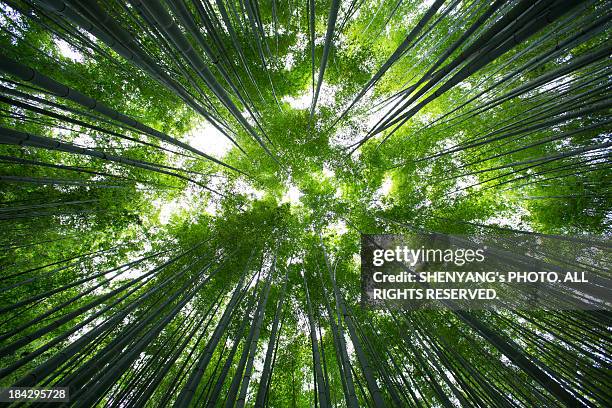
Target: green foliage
<point>145,250</point>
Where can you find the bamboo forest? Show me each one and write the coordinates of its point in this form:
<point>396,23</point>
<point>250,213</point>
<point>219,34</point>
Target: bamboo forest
<point>185,184</point>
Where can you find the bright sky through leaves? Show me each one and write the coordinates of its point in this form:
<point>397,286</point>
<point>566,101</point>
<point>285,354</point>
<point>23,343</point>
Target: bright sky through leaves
<point>184,186</point>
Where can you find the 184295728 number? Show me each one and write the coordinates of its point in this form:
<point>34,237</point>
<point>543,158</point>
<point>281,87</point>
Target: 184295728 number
<point>13,394</point>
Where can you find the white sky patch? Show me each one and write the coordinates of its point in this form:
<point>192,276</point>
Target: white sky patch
<point>376,115</point>
<point>82,140</point>
<point>327,97</point>
<point>423,204</point>
<point>351,131</point>
<point>385,188</point>
<point>514,220</point>
<point>467,181</point>
<point>292,195</point>
<point>141,268</point>
<point>66,50</point>
<point>295,259</point>
<point>186,202</point>
<point>339,227</point>
<point>382,191</point>
<point>346,135</point>
<point>245,188</point>
<point>465,85</point>
<point>461,186</point>
<point>210,140</point>
<point>212,208</point>
<point>258,364</point>
<point>328,171</point>
<point>289,61</point>
<point>552,84</point>
<point>166,210</point>
<point>62,132</point>
<point>338,193</point>
<point>302,41</point>
<point>135,272</point>
<point>13,16</point>
<point>300,102</point>
<point>350,349</point>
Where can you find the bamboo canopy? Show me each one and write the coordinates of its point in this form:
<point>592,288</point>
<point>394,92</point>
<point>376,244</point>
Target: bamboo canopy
<point>185,184</point>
